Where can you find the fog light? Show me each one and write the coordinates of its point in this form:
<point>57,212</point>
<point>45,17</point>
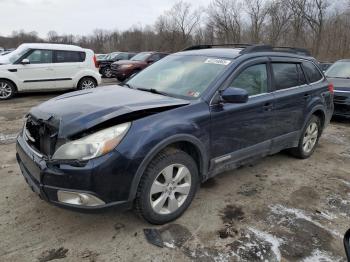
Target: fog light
<point>81,199</point>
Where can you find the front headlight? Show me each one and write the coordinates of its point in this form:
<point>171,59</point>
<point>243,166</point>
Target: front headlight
<point>91,146</point>
<point>126,66</point>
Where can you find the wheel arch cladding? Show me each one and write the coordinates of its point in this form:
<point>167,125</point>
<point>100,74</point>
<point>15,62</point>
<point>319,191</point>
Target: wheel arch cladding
<point>188,144</point>
<point>321,115</point>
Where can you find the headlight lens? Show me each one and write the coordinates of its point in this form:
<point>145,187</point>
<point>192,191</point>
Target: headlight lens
<point>94,145</point>
<point>125,66</point>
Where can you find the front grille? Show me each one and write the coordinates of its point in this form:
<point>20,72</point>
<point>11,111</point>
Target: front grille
<point>40,136</point>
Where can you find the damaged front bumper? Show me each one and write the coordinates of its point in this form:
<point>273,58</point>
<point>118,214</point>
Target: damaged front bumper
<point>87,187</point>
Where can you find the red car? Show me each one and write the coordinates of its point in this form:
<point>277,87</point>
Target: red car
<point>125,68</point>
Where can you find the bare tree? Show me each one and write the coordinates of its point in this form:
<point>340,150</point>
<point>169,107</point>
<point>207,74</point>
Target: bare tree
<point>279,16</point>
<point>225,19</point>
<point>257,12</point>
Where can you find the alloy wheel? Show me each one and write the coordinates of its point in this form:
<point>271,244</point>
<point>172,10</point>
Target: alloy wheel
<point>108,73</point>
<point>5,90</point>
<point>170,189</point>
<point>310,137</point>
<point>87,84</point>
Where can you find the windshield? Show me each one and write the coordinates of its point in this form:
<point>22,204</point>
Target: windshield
<point>339,69</point>
<point>183,76</point>
<point>15,55</point>
<point>140,57</point>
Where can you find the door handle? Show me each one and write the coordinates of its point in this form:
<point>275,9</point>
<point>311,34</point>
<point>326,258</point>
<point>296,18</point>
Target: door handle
<point>268,107</point>
<point>49,69</point>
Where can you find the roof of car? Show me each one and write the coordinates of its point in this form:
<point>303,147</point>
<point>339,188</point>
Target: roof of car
<point>343,60</point>
<point>246,49</point>
<point>217,52</point>
<point>52,46</point>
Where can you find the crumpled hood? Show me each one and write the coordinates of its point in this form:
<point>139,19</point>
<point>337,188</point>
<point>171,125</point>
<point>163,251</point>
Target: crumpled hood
<point>81,110</point>
<point>340,83</point>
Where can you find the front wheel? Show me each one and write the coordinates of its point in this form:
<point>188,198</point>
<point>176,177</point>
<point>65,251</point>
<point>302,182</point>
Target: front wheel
<point>107,72</point>
<point>87,83</point>
<point>308,139</point>
<point>7,90</point>
<point>167,187</point>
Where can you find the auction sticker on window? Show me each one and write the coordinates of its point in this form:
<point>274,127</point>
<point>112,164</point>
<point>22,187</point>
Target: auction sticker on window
<point>217,61</point>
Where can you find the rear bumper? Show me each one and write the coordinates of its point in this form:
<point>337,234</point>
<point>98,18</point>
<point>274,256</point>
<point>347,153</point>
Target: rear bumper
<point>45,181</point>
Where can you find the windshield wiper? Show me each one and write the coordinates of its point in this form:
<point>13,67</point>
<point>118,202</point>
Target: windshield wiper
<point>154,91</point>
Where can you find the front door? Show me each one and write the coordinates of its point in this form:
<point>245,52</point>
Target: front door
<point>38,74</point>
<point>241,131</point>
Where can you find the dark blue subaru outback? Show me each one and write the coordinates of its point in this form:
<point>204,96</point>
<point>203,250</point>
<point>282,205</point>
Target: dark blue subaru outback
<point>149,143</point>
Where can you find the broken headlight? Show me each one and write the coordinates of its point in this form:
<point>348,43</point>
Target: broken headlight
<point>94,145</point>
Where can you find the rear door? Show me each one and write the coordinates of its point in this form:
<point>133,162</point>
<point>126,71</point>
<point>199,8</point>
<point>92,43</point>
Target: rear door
<point>291,95</point>
<point>38,74</point>
<point>241,131</point>
<point>66,67</point>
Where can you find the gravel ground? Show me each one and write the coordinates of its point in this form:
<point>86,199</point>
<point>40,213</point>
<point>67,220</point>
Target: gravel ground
<point>278,209</point>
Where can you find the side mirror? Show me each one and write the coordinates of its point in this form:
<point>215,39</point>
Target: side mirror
<point>150,61</point>
<point>234,95</point>
<point>347,244</point>
<point>25,61</point>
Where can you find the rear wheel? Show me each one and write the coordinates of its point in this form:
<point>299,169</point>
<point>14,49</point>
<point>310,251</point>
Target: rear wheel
<point>7,90</point>
<point>87,83</point>
<point>167,187</point>
<point>308,139</point>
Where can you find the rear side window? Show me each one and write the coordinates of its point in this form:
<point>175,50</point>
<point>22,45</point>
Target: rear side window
<point>69,56</point>
<point>287,75</point>
<point>313,74</point>
<point>253,79</point>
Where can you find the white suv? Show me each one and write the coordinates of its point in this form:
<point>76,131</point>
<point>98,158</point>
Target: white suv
<point>34,67</point>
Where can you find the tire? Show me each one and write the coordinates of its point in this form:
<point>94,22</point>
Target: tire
<point>87,83</point>
<point>167,203</point>
<point>308,139</point>
<point>107,72</point>
<point>7,89</point>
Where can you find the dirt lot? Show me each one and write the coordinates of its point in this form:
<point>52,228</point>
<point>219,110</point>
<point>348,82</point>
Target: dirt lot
<point>279,209</point>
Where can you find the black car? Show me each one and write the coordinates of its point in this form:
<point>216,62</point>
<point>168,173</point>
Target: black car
<point>324,66</point>
<point>105,64</point>
<point>192,115</point>
<point>339,75</point>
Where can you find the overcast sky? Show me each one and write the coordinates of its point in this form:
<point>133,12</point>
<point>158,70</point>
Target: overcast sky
<point>80,16</point>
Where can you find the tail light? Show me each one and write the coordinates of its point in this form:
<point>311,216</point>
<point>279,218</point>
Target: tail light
<point>331,88</point>
<point>95,61</point>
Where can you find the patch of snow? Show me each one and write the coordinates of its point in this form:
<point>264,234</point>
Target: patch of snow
<point>300,214</point>
<point>169,245</point>
<point>274,241</point>
<point>318,255</point>
<point>327,215</point>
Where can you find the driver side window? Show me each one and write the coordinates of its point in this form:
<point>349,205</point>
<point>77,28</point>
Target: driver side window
<point>253,79</point>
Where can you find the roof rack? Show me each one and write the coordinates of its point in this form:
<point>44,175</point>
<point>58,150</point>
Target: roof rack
<point>268,48</point>
<point>197,47</point>
<point>249,48</point>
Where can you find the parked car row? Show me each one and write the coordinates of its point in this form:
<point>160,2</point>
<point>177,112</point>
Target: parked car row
<point>124,64</point>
